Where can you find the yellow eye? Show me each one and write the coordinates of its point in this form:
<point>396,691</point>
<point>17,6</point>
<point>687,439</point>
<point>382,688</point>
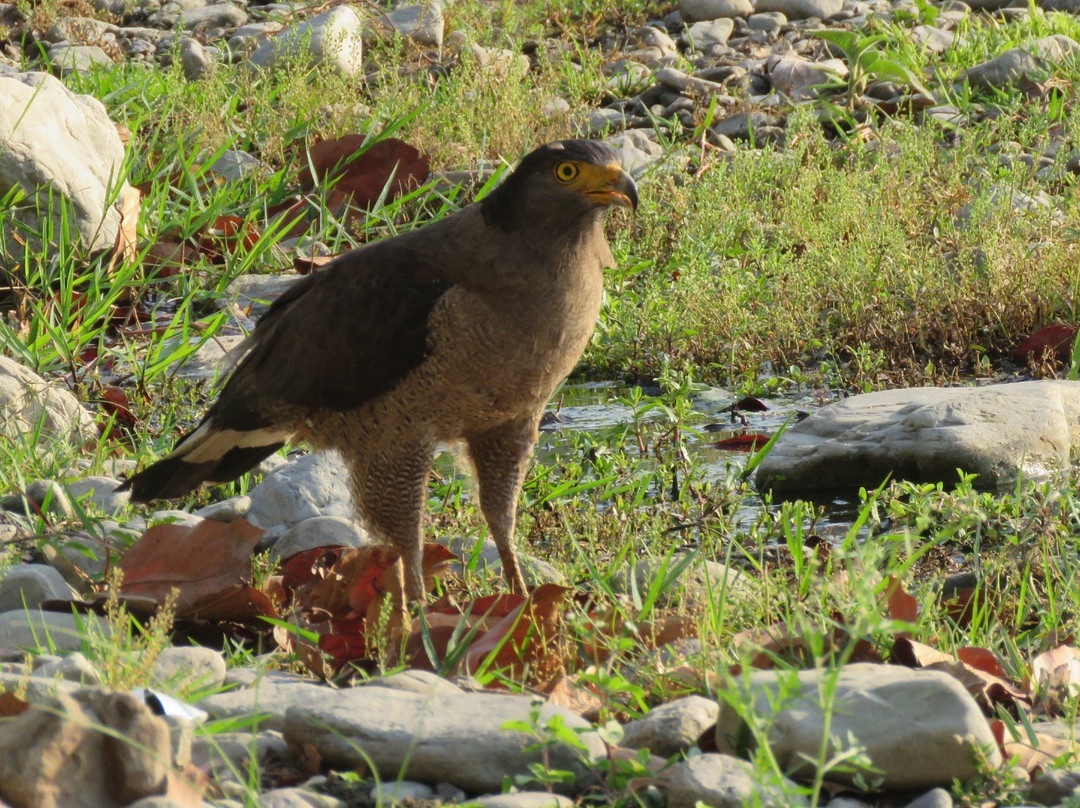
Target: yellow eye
<point>565,171</point>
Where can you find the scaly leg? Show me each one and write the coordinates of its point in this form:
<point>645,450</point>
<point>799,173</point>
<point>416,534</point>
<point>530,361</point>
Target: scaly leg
<point>500,457</point>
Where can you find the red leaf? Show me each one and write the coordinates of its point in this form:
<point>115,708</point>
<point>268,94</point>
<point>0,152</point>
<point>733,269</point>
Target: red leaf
<point>1054,340</point>
<point>363,178</point>
<point>114,401</point>
<point>742,443</point>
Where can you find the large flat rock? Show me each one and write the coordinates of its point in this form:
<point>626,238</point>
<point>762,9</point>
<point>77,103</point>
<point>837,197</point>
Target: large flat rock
<point>999,432</point>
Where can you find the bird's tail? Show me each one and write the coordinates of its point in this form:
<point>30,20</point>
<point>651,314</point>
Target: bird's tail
<point>209,454</point>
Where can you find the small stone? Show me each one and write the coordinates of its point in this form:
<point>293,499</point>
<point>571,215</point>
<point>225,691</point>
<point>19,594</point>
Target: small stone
<point>333,38</point>
<point>423,24</point>
<point>722,781</point>
<point>36,631</point>
<point>934,40</point>
<point>415,681</point>
<point>186,667</point>
<point>216,15</point>
<point>67,58</point>
<point>171,516</point>
<point>297,798</point>
<point>320,531</point>
<point>235,165</point>
<point>311,485</point>
<point>696,10</point>
<point>99,492</point>
<point>195,60</point>
<point>768,21</point>
<point>228,755</point>
<point>499,63</point>
<point>71,668</point>
<point>28,585</point>
<point>706,33</point>
<point>523,799</point>
<point>1054,787</point>
<point>256,293</point>
<point>400,791</point>
<point>673,727</point>
<point>934,798</point>
<point>802,9</point>
<point>50,497</point>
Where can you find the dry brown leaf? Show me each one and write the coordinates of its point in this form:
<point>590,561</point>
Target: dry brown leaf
<point>127,233</point>
<point>577,696</point>
<point>209,565</point>
<point>360,180</point>
<point>1055,677</point>
<point>11,705</point>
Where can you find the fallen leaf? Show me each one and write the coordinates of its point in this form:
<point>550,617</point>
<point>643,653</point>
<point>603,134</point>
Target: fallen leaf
<point>1055,678</point>
<point>126,247</point>
<point>1054,340</point>
<point>209,564</point>
<point>361,177</point>
<point>742,443</point>
<point>11,705</point>
<point>577,696</point>
<point>902,606</point>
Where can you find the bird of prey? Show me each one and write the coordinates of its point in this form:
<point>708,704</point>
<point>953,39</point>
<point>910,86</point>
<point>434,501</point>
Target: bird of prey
<point>457,331</point>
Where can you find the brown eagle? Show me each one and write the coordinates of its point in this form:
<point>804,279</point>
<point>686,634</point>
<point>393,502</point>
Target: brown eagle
<point>457,331</point>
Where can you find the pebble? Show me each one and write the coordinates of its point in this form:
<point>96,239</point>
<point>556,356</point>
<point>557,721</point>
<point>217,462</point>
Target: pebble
<point>319,531</point>
<point>674,727</point>
<point>53,631</point>
<point>26,586</point>
<point>187,667</point>
<point>400,791</point>
<point>697,10</point>
<point>934,798</point>
<point>722,781</point>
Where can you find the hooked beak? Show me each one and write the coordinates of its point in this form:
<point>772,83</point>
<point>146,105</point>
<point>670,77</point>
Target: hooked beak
<point>616,188</point>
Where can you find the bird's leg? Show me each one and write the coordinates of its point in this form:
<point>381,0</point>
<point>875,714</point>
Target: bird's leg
<point>500,457</point>
<point>391,493</point>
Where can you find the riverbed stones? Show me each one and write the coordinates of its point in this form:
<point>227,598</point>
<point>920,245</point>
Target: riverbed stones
<point>999,432</point>
<point>697,10</point>
<point>1027,63</point>
<point>458,738</point>
<point>77,163</point>
<point>320,531</point>
<point>918,729</point>
<point>723,781</point>
<point>308,486</point>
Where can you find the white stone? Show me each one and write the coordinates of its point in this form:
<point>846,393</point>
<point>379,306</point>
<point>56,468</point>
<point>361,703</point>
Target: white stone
<point>397,791</point>
<point>185,667</point>
<point>696,10</point>
<point>801,9</point>
<point>916,728</point>
<point>1000,432</point>
<point>315,484</point>
<point>99,492</point>
<point>523,799</point>
<point>28,402</point>
<point>333,38</point>
<point>64,142</point>
<point>1027,62</point>
<point>37,631</point>
<point>320,531</point>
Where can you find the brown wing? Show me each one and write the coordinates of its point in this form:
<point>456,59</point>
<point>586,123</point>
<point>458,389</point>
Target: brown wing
<point>335,339</point>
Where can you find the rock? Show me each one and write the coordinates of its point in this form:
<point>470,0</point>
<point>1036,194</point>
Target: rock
<point>706,33</point>
<point>311,485</point>
<point>696,10</point>
<point>1000,432</point>
<point>1054,787</point>
<point>636,150</point>
<point>794,76</point>
<point>400,791</point>
<point>211,357</point>
<point>255,293</point>
<point>681,82</point>
<point>1028,63</point>
<point>801,9</point>
<point>423,24</point>
<point>228,755</point>
<point>918,729</point>
<point>934,40</point>
<point>722,781</point>
<point>227,510</point>
<point>482,557</point>
<point>26,586</point>
<point>195,60</point>
<point>415,681</point>
<point>934,798</point>
<point>172,516</point>
<point>98,492</point>
<point>700,581</point>
<point>71,668</point>
<point>186,667</point>
<point>673,727</point>
<point>54,756</point>
<point>298,798</point>
<point>233,166</point>
<point>67,58</point>
<point>28,403</point>
<point>499,63</point>
<point>333,38</point>
<point>78,163</point>
<point>268,698</point>
<point>523,799</point>
<point>56,631</point>
<point>216,15</point>
<point>768,21</point>
<point>745,125</point>
<point>458,738</point>
<point>321,531</point>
